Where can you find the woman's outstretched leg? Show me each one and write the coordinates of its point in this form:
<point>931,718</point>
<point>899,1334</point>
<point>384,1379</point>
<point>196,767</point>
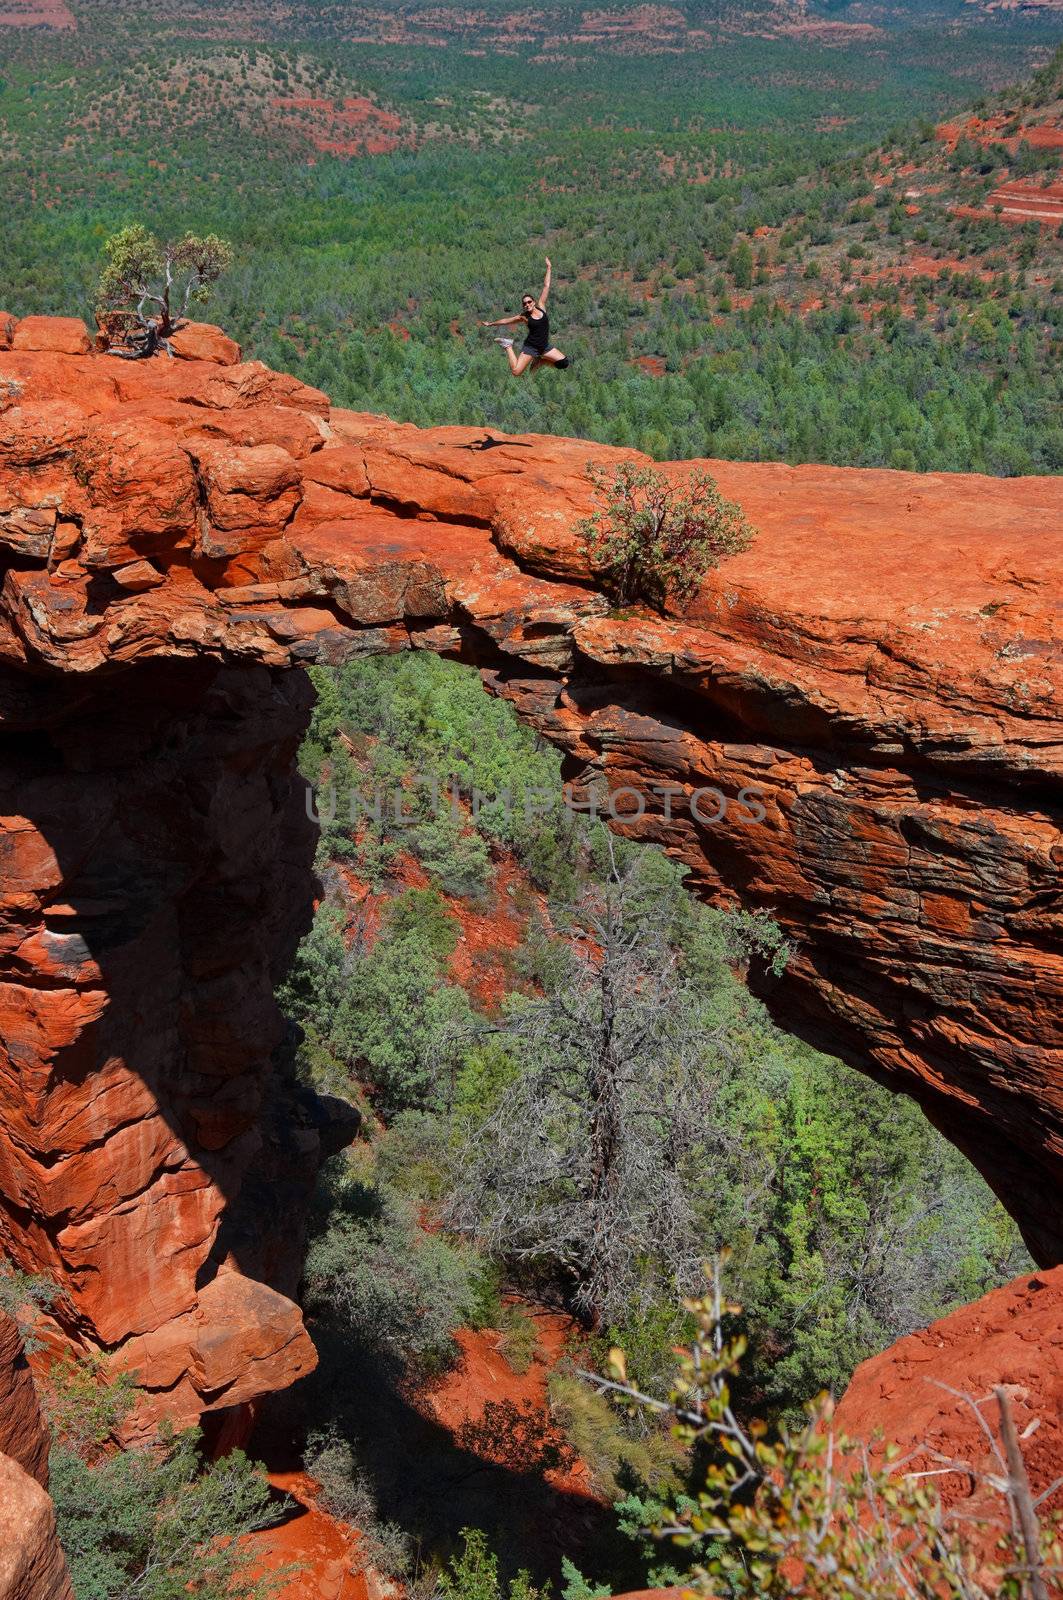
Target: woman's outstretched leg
<point>553,358</point>
<point>517,364</point>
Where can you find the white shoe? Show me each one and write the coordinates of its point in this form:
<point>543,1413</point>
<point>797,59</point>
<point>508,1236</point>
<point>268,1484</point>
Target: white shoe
<point>507,342</point>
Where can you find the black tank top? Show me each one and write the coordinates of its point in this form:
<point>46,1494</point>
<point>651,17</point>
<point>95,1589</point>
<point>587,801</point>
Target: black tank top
<point>538,335</point>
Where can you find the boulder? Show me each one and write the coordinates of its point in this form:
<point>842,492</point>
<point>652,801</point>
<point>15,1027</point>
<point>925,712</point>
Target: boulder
<point>66,336</point>
<point>202,341</point>
<point>32,1564</point>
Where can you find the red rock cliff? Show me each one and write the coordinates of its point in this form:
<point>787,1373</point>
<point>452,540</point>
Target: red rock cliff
<point>882,666</point>
<point>32,1566</point>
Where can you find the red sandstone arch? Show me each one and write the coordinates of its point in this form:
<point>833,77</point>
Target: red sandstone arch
<point>883,666</point>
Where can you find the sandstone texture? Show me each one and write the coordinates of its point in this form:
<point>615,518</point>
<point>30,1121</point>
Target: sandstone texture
<point>67,335</point>
<point>32,1566</point>
<point>23,1435</point>
<point>872,688</point>
<point>201,341</point>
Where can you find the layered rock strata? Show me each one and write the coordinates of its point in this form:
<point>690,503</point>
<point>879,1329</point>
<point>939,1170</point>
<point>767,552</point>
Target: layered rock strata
<point>854,726</point>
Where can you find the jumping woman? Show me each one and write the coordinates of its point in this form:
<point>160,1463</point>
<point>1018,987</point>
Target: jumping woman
<point>536,351</point>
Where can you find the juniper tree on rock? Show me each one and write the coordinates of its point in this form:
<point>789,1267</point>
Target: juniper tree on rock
<point>147,287</point>
<point>654,540</point>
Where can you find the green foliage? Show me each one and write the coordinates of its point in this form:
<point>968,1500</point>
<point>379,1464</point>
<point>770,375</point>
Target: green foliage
<point>473,1574</point>
<point>345,1491</point>
<point>21,1294</point>
<point>399,1290</point>
<point>383,1014</point>
<point>85,1406</point>
<point>157,1523</point>
<point>171,276</point>
<point>422,727</point>
<point>519,1341</point>
<point>576,1586</point>
<point>398,1022</point>
<point>670,164</point>
<point>654,539</point>
<point>772,1504</point>
<point>873,1224</point>
<point>741,266</point>
<point>487,1070</point>
<point>852,1221</point>
<point>154,1521</point>
<point>614,1454</point>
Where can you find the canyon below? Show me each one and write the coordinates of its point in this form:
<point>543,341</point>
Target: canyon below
<point>853,727</point>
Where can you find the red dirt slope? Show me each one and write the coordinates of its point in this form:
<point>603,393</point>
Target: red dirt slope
<point>1014,1337</point>
<point>322,1553</point>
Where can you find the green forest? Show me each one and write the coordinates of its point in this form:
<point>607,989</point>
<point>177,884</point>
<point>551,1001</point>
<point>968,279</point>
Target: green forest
<point>850,1220</point>
<point>740,269</point>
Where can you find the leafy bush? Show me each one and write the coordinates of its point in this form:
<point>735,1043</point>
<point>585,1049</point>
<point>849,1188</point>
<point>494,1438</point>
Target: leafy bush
<point>473,1574</point>
<point>386,1016</point>
<point>615,1454</point>
<point>398,1290</point>
<point>520,1338</point>
<point>155,1521</point>
<point>654,540</point>
<point>782,1509</point>
<point>346,1492</point>
<point>21,1295</point>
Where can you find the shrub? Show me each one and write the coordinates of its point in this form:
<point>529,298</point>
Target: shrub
<point>615,1454</point>
<point>398,1290</point>
<point>520,1338</point>
<point>810,1508</point>
<point>346,1493</point>
<point>654,540</point>
<point>22,1294</point>
<point>473,1575</point>
<point>153,1521</point>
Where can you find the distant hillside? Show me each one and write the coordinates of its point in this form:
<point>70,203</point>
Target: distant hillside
<point>762,248</point>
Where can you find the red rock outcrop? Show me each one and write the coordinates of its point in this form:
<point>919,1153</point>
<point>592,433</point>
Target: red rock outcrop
<point>65,335</point>
<point>201,341</point>
<point>23,1435</point>
<point>872,688</point>
<point>32,1566</point>
<point>920,1393</point>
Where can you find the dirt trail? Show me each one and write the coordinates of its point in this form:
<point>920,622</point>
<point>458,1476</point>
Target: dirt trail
<point>484,1387</point>
<point>322,1552</point>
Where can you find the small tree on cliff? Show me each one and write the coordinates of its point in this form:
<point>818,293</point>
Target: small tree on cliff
<point>147,287</point>
<point>155,1521</point>
<point>654,540</point>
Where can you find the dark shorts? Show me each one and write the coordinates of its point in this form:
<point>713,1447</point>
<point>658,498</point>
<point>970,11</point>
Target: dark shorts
<point>533,350</point>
